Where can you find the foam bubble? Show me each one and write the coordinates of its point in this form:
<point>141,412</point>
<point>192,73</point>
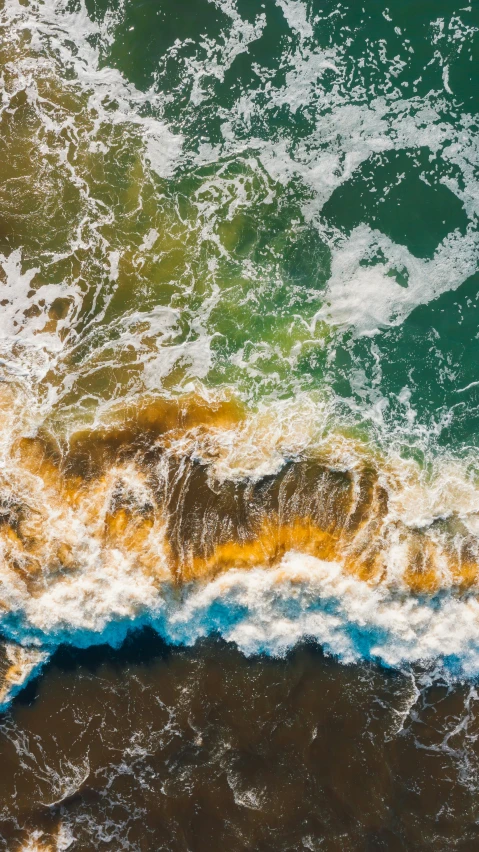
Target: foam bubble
<point>369,297</point>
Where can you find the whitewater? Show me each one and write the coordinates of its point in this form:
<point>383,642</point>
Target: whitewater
<point>221,408</point>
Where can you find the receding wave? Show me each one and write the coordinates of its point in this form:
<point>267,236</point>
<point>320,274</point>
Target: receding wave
<point>195,517</point>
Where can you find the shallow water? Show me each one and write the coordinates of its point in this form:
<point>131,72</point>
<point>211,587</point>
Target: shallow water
<point>158,748</point>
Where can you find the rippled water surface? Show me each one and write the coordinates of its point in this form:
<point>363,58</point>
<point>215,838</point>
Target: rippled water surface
<point>155,748</point>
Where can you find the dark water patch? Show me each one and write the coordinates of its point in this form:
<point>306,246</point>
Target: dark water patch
<point>379,194</point>
<point>203,516</point>
<point>141,647</point>
<point>156,748</point>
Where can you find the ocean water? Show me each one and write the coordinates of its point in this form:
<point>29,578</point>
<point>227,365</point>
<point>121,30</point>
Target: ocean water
<point>239,399</point>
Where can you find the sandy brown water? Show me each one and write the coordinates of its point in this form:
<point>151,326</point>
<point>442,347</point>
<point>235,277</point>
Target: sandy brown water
<point>155,748</point>
<point>148,484</point>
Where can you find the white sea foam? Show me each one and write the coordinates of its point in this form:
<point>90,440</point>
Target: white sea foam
<point>220,54</point>
<point>369,297</point>
<point>72,36</point>
<point>269,611</point>
<point>296,15</point>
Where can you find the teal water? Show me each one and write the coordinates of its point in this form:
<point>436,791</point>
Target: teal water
<point>365,117</point>
<point>304,144</point>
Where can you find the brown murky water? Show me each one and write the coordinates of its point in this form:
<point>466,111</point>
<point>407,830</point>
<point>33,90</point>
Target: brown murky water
<point>154,748</point>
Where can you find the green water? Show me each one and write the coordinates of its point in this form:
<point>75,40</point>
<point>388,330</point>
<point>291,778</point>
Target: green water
<point>300,139</point>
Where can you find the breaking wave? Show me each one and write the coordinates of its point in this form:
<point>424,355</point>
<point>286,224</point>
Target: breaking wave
<point>212,415</point>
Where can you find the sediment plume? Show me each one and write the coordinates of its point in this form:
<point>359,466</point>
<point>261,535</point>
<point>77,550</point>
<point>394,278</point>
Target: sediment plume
<point>161,487</point>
